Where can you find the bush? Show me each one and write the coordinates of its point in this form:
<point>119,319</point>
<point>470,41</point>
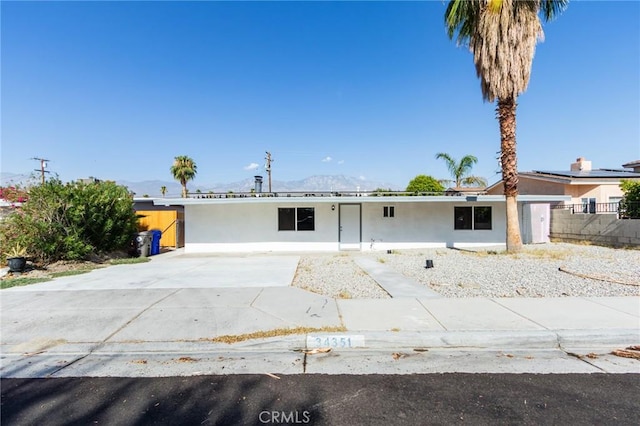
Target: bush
<point>424,183</point>
<point>630,204</point>
<point>70,221</point>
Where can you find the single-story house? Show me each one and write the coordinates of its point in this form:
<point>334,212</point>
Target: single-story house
<point>352,221</point>
<point>584,185</point>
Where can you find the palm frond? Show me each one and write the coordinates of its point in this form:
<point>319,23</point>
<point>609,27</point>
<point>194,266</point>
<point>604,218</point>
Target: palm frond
<point>552,8</point>
<point>474,181</point>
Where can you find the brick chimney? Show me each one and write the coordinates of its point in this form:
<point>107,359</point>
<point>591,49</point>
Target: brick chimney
<point>581,165</point>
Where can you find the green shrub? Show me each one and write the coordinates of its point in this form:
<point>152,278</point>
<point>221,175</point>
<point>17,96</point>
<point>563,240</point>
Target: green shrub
<point>69,221</point>
<point>424,183</point>
<point>630,204</point>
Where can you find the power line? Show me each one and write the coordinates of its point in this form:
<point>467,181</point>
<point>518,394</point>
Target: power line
<point>43,166</point>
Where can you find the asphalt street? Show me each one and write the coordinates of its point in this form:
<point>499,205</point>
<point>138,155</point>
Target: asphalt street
<point>477,399</point>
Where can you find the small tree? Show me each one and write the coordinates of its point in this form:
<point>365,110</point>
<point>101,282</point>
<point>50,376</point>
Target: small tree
<point>183,170</point>
<point>630,204</point>
<point>460,170</point>
<point>163,190</point>
<point>424,183</point>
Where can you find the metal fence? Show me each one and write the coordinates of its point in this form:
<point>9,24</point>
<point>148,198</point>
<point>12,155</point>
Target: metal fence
<point>624,209</point>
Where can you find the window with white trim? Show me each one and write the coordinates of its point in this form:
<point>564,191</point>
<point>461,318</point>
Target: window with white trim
<point>588,205</point>
<point>388,211</point>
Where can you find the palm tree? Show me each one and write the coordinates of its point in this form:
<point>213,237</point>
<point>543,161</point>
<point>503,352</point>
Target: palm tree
<point>502,35</point>
<point>163,190</point>
<point>460,170</point>
<point>183,170</point>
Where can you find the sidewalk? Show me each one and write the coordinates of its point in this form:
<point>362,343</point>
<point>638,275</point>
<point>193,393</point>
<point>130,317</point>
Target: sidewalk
<point>159,319</point>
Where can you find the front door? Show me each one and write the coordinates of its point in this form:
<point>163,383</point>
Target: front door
<point>350,231</point>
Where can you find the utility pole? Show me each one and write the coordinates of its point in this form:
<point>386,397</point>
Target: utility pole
<point>43,166</point>
<point>268,168</point>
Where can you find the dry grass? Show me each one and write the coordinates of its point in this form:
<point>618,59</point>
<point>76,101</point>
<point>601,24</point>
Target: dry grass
<point>344,294</point>
<point>485,253</point>
<point>537,253</point>
<point>229,339</point>
<point>546,254</point>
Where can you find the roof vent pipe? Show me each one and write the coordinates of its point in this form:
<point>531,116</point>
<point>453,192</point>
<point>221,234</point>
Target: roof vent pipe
<point>258,184</point>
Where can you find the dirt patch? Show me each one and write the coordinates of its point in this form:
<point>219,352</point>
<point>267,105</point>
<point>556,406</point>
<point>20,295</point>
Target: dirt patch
<point>63,267</point>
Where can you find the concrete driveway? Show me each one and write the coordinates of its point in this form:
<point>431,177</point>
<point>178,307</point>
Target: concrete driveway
<point>177,270</point>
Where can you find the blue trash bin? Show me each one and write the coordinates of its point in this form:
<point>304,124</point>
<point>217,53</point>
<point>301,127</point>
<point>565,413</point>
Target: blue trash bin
<point>155,241</point>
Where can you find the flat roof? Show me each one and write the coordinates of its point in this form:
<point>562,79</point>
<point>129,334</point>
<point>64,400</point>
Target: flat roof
<point>364,199</point>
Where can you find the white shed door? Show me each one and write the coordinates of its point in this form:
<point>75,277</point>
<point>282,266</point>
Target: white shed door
<point>350,227</point>
<point>540,220</point>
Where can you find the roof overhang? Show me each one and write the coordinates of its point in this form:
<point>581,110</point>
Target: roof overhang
<point>357,200</point>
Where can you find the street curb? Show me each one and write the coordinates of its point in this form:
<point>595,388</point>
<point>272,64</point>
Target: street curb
<point>374,341</point>
<point>590,338</point>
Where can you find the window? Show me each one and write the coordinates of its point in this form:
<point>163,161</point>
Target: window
<point>305,218</point>
<point>296,219</point>
<point>482,218</point>
<point>286,219</point>
<point>477,217</point>
<point>588,205</point>
<point>388,211</point>
<point>462,217</point>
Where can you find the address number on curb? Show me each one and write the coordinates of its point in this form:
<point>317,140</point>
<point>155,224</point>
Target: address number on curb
<point>335,341</point>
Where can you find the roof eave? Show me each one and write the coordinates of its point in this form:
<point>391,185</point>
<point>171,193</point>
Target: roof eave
<point>357,200</point>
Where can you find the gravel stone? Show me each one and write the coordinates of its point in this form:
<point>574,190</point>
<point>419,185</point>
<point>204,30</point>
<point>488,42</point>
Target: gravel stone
<point>535,272</point>
<point>337,276</point>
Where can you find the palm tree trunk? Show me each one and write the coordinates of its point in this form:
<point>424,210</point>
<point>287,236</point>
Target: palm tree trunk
<point>507,118</point>
<point>184,188</point>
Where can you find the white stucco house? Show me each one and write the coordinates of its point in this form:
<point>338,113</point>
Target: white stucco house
<point>333,222</point>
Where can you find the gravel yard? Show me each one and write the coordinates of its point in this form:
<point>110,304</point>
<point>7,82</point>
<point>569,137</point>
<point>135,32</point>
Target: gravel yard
<point>533,273</point>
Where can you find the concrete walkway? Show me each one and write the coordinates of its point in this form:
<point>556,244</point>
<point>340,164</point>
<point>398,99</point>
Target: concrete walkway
<point>161,318</point>
<point>394,283</point>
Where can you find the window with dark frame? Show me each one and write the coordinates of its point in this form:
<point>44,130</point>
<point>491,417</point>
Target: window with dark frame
<point>306,218</point>
<point>296,219</point>
<point>481,217</point>
<point>462,217</point>
<point>286,219</point>
<point>476,217</point>
<point>388,211</point>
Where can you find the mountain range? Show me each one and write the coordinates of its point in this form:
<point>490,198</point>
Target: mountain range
<point>316,183</point>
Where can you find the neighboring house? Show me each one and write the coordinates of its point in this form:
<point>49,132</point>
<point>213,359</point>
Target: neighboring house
<point>466,190</point>
<point>349,221</point>
<point>587,187</point>
<point>635,165</point>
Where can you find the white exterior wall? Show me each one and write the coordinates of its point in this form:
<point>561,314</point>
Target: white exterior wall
<point>247,227</point>
<point>427,225</point>
<point>254,227</point>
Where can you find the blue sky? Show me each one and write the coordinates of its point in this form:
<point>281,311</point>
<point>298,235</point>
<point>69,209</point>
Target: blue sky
<point>374,90</point>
